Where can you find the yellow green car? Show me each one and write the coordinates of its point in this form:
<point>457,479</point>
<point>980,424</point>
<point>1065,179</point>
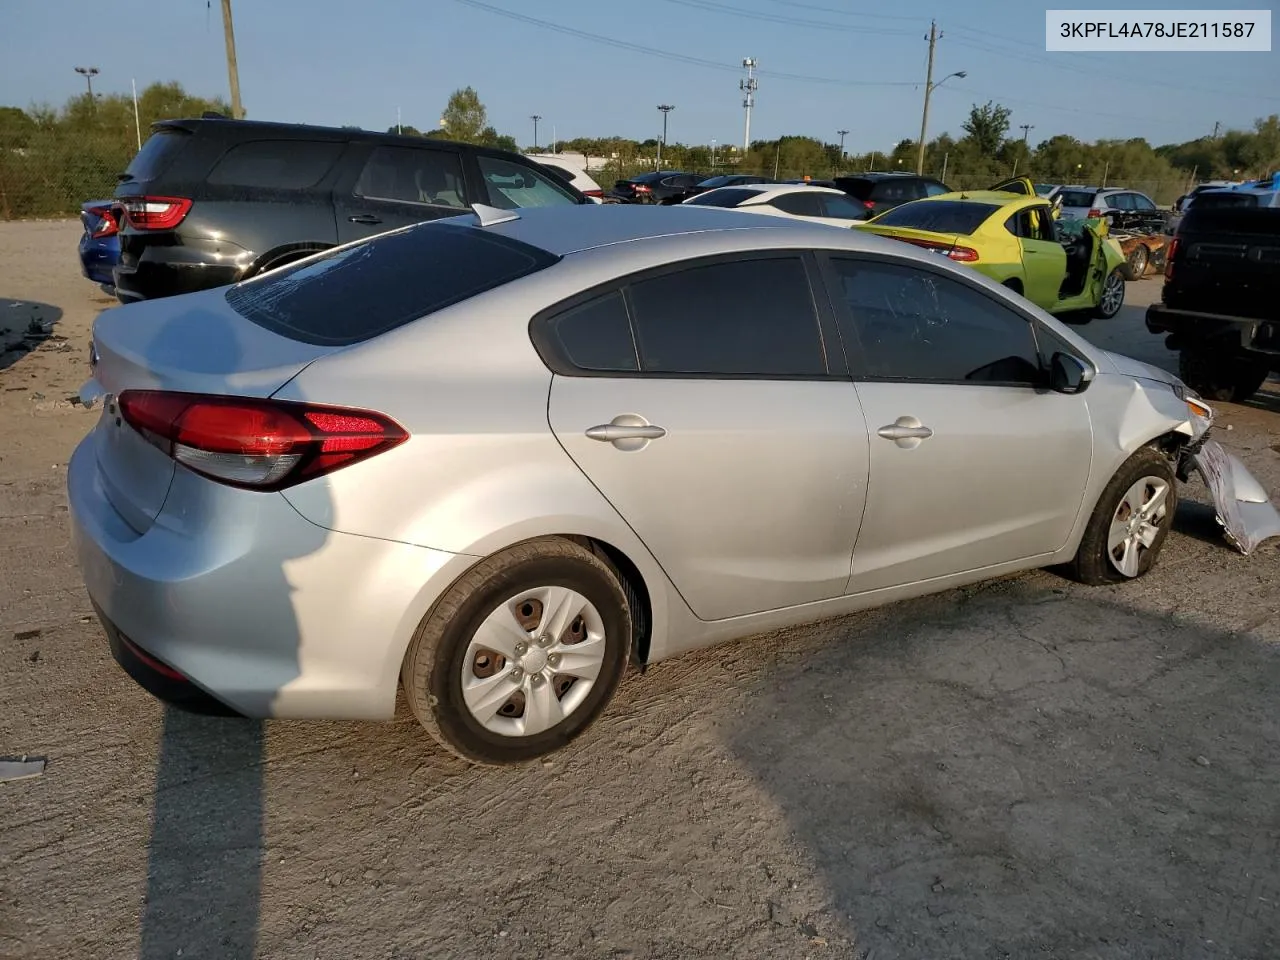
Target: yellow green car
<point>1072,269</point>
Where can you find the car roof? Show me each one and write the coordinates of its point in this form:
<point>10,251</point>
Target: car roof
<point>782,188</point>
<point>881,175</point>
<point>573,228</point>
<point>999,198</point>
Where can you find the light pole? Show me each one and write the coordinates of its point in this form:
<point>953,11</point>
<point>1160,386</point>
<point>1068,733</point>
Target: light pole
<point>713,154</point>
<point>666,108</point>
<point>535,118</point>
<point>929,87</point>
<point>843,134</point>
<point>88,73</point>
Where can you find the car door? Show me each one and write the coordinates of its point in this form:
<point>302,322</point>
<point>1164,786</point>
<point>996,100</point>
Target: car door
<point>974,462</point>
<point>1044,261</point>
<point>700,402</point>
<point>400,186</point>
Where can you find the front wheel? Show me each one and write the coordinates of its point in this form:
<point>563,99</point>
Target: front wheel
<point>1112,298</point>
<point>1129,523</point>
<point>521,654</point>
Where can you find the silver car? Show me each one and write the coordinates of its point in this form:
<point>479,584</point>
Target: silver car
<point>495,459</point>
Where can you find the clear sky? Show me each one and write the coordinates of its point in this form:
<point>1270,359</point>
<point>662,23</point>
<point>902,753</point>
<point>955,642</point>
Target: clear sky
<point>356,61</point>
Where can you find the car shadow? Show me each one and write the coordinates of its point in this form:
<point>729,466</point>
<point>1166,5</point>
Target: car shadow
<point>1199,521</point>
<point>24,326</point>
<point>1020,769</point>
<point>206,849</point>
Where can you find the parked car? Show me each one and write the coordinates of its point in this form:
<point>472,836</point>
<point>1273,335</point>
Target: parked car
<point>813,182</point>
<point>443,458</point>
<point>100,242</point>
<point>1047,190</point>
<point>1218,306</point>
<point>1009,234</point>
<point>878,192</point>
<point>1122,209</point>
<point>816,204</point>
<point>1239,198</point>
<point>570,173</point>
<point>728,180</point>
<point>209,202</point>
<point>660,186</point>
<point>1180,205</point>
<point>1143,251</point>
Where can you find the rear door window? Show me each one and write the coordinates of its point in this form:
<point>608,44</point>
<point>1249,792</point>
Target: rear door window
<point>275,164</point>
<point>356,292</point>
<point>798,204</point>
<point>751,317</point>
<point>514,185</point>
<point>410,175</point>
<point>933,189</point>
<point>594,336</point>
<point>1076,198</point>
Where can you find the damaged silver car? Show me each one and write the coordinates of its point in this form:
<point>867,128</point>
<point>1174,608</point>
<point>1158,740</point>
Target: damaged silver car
<point>493,459</point>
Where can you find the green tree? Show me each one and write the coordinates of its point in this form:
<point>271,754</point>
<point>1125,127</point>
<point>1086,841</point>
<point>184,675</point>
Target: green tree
<point>465,117</point>
<point>986,127</point>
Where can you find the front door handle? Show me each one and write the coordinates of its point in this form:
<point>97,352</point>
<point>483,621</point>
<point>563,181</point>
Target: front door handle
<point>906,432</point>
<point>626,432</point>
<point>365,218</point>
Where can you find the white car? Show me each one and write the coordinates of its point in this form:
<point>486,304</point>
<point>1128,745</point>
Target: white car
<point>796,201</point>
<point>570,172</point>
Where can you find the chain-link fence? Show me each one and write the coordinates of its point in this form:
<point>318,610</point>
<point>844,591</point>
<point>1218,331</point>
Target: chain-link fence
<point>51,172</point>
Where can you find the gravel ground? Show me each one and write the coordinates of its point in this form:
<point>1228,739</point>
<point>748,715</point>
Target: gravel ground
<point>1025,768</point>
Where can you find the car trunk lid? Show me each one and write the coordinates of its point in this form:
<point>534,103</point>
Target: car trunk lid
<point>194,344</point>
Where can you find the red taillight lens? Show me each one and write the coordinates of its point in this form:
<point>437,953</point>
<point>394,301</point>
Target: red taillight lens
<point>641,188</point>
<point>1168,258</point>
<point>107,225</point>
<point>869,204</point>
<point>958,253</point>
<point>155,213</point>
<point>1093,213</point>
<point>593,193</point>
<point>257,444</point>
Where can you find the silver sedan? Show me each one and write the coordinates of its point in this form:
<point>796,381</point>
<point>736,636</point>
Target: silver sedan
<point>497,458</point>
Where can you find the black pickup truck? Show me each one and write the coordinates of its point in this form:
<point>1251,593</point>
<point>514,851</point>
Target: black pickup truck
<point>1221,300</point>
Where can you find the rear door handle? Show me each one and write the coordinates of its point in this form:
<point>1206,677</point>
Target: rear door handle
<point>365,218</point>
<point>906,432</point>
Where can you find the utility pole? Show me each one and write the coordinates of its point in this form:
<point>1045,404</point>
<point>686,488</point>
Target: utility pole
<point>233,71</point>
<point>88,73</point>
<point>928,89</point>
<point>535,118</point>
<point>843,134</point>
<point>1026,128</point>
<point>666,108</point>
<point>399,128</point>
<point>1216,125</point>
<point>748,88</point>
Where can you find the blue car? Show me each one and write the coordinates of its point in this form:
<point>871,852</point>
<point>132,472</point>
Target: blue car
<point>100,245</point>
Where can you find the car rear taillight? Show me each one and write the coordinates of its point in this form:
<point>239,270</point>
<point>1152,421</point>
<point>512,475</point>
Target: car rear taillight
<point>257,444</point>
<point>107,225</point>
<point>1095,212</point>
<point>641,188</point>
<point>1169,256</point>
<point>869,204</point>
<point>154,213</point>
<point>955,252</point>
<point>593,193</point>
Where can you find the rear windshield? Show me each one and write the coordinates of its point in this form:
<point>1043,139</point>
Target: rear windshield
<point>1075,198</point>
<point>861,189</point>
<point>1219,201</point>
<point>156,154</point>
<point>724,197</point>
<point>357,292</point>
<point>939,216</point>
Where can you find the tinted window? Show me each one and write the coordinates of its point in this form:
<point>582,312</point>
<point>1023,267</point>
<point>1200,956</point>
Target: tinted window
<point>275,164</point>
<point>513,185</point>
<point>723,197</point>
<point>856,186</point>
<point>1076,198</point>
<point>413,176</point>
<point>356,292</point>
<point>940,216</point>
<point>932,189</point>
<point>740,317</point>
<point>721,181</point>
<point>798,204</point>
<point>596,335</point>
<point>842,206</point>
<point>917,325</point>
<point>1141,202</point>
<point>1217,201</point>
<point>157,153</point>
<point>1120,201</point>
<point>896,191</point>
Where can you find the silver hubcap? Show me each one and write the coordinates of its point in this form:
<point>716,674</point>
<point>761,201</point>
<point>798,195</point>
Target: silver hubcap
<point>533,661</point>
<point>1136,524</point>
<point>1138,262</point>
<point>1113,293</point>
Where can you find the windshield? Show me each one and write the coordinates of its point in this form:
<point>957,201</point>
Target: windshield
<point>939,216</point>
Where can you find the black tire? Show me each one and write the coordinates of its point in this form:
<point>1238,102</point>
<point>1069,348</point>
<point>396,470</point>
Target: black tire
<point>1139,259</point>
<point>432,669</point>
<point>1107,306</point>
<point>1216,376</point>
<point>1091,564</point>
<point>1014,284</point>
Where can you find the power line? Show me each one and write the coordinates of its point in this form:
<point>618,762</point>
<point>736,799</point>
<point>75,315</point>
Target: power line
<point>675,57</point>
<point>738,13</point>
<point>846,13</point>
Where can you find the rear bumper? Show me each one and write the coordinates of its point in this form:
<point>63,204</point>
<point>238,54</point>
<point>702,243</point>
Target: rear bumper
<point>250,608</point>
<point>154,278</point>
<point>1244,335</point>
<point>98,259</point>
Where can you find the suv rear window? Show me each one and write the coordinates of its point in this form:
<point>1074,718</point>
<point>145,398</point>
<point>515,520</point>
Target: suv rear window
<point>156,154</point>
<point>939,216</point>
<point>275,164</point>
<point>1075,198</point>
<point>1217,201</point>
<point>357,292</point>
<point>856,186</point>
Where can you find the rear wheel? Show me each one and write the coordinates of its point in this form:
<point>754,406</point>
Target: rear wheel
<point>1137,263</point>
<point>1112,298</point>
<point>1216,376</point>
<point>1130,522</point>
<point>521,654</point>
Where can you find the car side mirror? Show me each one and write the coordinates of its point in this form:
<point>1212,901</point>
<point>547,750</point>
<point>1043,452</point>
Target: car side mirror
<point>1068,374</point>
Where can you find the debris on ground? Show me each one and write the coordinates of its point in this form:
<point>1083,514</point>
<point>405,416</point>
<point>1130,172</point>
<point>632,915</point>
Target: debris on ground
<point>21,768</point>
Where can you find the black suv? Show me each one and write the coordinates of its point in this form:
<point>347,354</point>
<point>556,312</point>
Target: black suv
<point>210,202</point>
<point>662,187</point>
<point>878,192</point>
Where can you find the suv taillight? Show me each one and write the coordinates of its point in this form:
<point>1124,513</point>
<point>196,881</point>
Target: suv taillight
<point>1168,258</point>
<point>154,213</point>
<point>257,444</point>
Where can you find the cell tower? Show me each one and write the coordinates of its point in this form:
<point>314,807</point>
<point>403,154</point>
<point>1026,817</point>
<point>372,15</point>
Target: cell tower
<point>748,88</point>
